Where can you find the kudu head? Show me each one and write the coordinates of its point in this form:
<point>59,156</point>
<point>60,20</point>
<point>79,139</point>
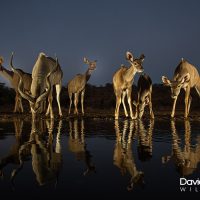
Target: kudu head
<point>144,87</point>
<point>91,64</point>
<point>176,84</point>
<point>135,62</point>
<point>140,106</point>
<point>35,102</point>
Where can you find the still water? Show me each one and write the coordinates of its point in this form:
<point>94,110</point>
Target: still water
<point>98,157</point>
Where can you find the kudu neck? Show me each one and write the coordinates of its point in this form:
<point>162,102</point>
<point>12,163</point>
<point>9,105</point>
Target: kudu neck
<point>130,73</point>
<point>88,74</point>
<point>6,73</point>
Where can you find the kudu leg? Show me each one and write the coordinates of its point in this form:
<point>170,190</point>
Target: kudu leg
<point>130,103</point>
<point>70,104</point>
<point>124,105</point>
<point>82,101</point>
<point>189,103</point>
<point>50,99</point>
<point>174,107</point>
<point>48,110</point>
<point>58,90</point>
<point>118,102</point>
<point>16,103</point>
<point>150,108</point>
<point>20,105</point>
<point>76,95</point>
<point>187,95</point>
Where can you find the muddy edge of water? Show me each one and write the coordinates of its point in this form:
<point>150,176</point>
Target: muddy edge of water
<point>100,114</point>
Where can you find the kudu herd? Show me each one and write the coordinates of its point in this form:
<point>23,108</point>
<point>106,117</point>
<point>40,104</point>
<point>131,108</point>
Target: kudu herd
<point>47,73</point>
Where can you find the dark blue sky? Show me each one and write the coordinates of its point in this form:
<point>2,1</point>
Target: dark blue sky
<point>165,31</point>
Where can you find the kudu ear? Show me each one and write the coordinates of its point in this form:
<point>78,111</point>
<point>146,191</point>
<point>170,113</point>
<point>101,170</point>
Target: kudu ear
<point>186,78</point>
<point>166,81</point>
<point>85,60</point>
<point>129,56</point>
<point>142,57</point>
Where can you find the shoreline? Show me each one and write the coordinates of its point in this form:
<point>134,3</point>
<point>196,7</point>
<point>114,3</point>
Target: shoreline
<point>100,114</point>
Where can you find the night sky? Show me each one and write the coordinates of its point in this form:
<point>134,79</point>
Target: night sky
<point>165,31</point>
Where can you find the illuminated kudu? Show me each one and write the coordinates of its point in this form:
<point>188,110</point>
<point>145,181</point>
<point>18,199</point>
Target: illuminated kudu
<point>186,76</point>
<point>45,74</point>
<point>14,82</point>
<point>144,88</point>
<point>123,81</point>
<point>77,86</point>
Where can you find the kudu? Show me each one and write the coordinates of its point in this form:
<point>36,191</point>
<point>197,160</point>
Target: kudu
<point>186,76</point>
<point>144,87</point>
<point>77,86</point>
<point>14,82</point>
<point>123,80</point>
<point>45,74</point>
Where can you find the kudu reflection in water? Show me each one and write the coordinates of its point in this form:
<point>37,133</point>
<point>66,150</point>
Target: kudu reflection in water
<point>13,155</point>
<point>77,145</point>
<point>186,159</point>
<point>123,156</point>
<point>145,140</point>
<point>46,160</point>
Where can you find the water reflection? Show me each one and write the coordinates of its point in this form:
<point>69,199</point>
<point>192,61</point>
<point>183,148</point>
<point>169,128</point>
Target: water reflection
<point>145,140</point>
<point>123,156</point>
<point>46,158</point>
<point>186,159</point>
<point>34,155</point>
<point>13,155</point>
<point>77,145</point>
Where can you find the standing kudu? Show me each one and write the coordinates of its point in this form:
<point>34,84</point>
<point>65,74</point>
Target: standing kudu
<point>186,76</point>
<point>123,80</point>
<point>14,82</point>
<point>144,88</point>
<point>77,85</point>
<point>46,73</point>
